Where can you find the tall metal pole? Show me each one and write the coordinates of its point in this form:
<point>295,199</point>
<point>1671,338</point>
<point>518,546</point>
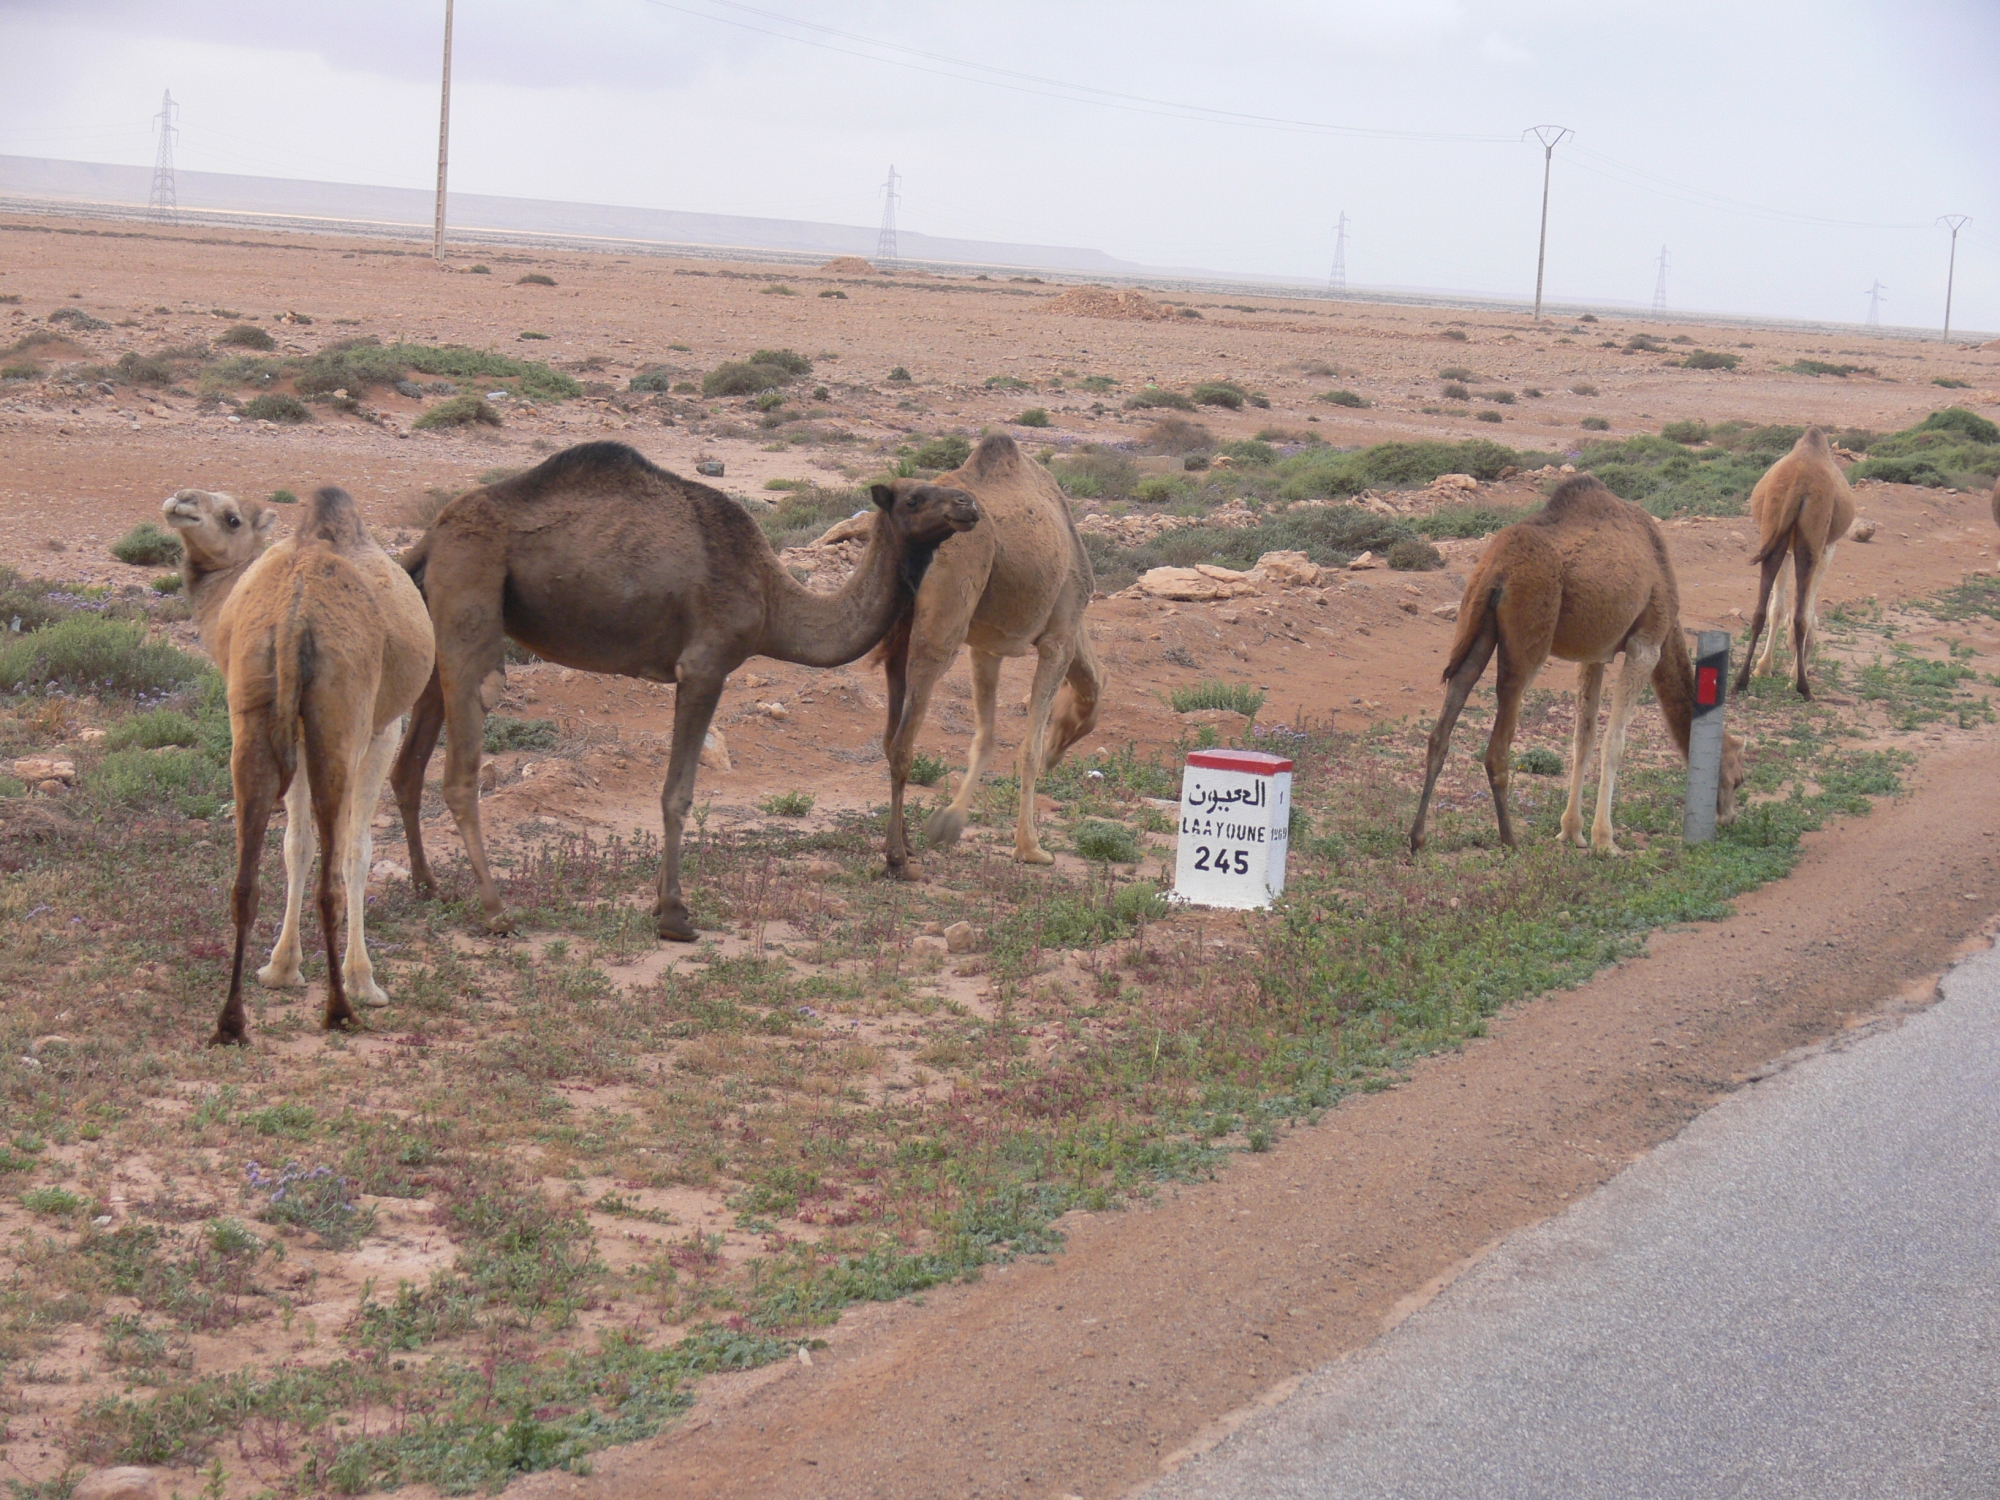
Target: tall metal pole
<point>444,140</point>
<point>1953,222</point>
<point>1550,136</point>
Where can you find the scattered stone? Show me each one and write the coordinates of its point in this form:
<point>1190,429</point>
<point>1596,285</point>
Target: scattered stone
<point>958,938</point>
<point>1863,530</point>
<point>387,869</point>
<point>90,736</point>
<point>712,467</point>
<point>824,869</point>
<point>776,711</point>
<point>1455,482</point>
<point>715,752</point>
<point>1407,606</point>
<point>42,768</point>
<point>1286,569</point>
<point>928,945</point>
<point>860,524</point>
<point>1203,582</point>
<point>1446,611</point>
<point>117,1484</point>
<point>1364,561</point>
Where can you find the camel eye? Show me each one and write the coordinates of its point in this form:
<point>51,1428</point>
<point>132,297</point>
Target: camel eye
<point>234,522</point>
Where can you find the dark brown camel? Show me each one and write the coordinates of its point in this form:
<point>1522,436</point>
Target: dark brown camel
<point>601,561</point>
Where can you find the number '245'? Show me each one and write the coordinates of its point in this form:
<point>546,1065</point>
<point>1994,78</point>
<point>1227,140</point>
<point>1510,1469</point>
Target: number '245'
<point>1226,861</point>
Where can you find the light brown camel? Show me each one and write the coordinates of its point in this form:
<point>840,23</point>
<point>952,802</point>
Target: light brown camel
<point>1803,506</point>
<point>1582,579</point>
<point>598,560</point>
<point>323,644</point>
<point>1018,584</point>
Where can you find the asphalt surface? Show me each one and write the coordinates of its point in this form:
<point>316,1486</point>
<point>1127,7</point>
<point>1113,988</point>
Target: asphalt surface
<point>1797,1296</point>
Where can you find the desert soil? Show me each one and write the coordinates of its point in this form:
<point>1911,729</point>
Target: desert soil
<point>1082,1374</point>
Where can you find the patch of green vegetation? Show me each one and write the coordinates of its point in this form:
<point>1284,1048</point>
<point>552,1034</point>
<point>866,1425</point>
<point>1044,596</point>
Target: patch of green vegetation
<point>478,269</point>
<point>282,497</point>
<point>536,278</point>
<point>1691,433</point>
<point>1953,446</point>
<point>459,411</point>
<point>1668,479</point>
<point>654,378</point>
<point>765,370</point>
<point>147,546</point>
<point>154,729</point>
<point>1347,398</point>
<point>1950,384</point>
<point>900,375</point>
<point>1034,416</point>
<point>946,451</point>
<point>927,769</point>
<point>529,335</point>
<point>87,653</point>
<point>275,406</point>
<point>1224,393</point>
<point>1822,367</point>
<point>1097,384</point>
<point>166,583</point>
<point>1237,697</point>
<point>804,515</point>
<point>316,1200</point>
<point>247,336</point>
<point>1466,520</point>
<point>1709,359</point>
<point>1007,383</point>
<point>1413,555</point>
<point>1107,843</point>
<point>53,1202</point>
<point>504,733</point>
<point>1539,762</point>
<point>1595,424</point>
<point>777,289</point>
<point>793,804</point>
<point>1334,474</point>
<point>1487,416</point>
<point>1454,391</point>
<point>1154,396</point>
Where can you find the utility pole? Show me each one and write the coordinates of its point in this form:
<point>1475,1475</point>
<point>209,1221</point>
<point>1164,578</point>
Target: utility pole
<point>1337,281</point>
<point>1660,286</point>
<point>1875,300</point>
<point>885,242</point>
<point>163,202</point>
<point>444,140</point>
<point>1551,136</point>
<point>1953,222</point>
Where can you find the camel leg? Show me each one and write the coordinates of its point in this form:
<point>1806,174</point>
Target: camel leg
<point>1510,684</point>
<point>1640,659</point>
<point>694,706</point>
<point>465,731</point>
<point>1767,579</point>
<point>921,670</point>
<point>1767,659</point>
<point>282,972</point>
<point>1812,599</point>
<point>1052,664</point>
<point>948,822</point>
<point>258,781</point>
<point>1458,687</point>
<point>1076,706</point>
<point>412,760</point>
<point>1589,694</point>
<point>360,848</point>
<point>1804,575</point>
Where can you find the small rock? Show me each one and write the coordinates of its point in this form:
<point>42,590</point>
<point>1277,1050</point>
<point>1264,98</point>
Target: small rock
<point>715,752</point>
<point>823,869</point>
<point>50,787</point>
<point>45,768</point>
<point>387,869</point>
<point>1286,569</point>
<point>1365,560</point>
<point>90,736</point>
<point>712,467</point>
<point>117,1484</point>
<point>958,938</point>
<point>928,945</point>
<point>1408,606</point>
<point>776,711</point>
<point>1204,582</point>
<point>1446,611</point>
<point>1863,530</point>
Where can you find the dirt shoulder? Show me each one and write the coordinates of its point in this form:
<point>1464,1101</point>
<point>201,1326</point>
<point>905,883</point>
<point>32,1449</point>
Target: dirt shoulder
<point>1088,1373</point>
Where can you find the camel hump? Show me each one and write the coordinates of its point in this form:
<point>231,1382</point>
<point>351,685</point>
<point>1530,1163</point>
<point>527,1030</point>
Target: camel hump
<point>996,454</point>
<point>334,519</point>
<point>1576,496</point>
<point>1813,441</point>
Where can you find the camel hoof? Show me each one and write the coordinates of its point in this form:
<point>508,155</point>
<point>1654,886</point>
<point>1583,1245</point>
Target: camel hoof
<point>1034,856</point>
<point>899,869</point>
<point>348,1022</point>
<point>287,977</point>
<point>371,998</point>
<point>498,923</point>
<point>943,828</point>
<point>229,1039</point>
<point>675,927</point>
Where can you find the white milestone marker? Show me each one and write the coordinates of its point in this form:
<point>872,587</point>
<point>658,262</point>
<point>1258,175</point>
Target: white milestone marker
<point>1236,813</point>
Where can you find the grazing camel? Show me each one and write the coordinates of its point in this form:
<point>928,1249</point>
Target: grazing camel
<point>323,644</point>
<point>1582,579</point>
<point>1018,584</point>
<point>1803,506</point>
<point>601,561</point>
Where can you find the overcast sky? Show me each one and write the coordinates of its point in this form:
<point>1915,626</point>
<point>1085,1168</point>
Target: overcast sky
<point>1786,154</point>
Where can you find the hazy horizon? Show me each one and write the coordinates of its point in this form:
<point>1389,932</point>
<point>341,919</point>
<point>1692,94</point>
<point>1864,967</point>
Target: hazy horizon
<point>1787,155</point>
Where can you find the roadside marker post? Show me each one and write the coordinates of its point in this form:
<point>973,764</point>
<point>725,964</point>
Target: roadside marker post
<point>1711,692</point>
<point>1236,818</point>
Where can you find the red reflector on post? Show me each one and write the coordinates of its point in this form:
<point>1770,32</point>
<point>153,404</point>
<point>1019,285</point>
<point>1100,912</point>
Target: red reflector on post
<point>1705,682</point>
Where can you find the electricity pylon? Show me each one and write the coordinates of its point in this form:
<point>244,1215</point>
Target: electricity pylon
<point>163,202</point>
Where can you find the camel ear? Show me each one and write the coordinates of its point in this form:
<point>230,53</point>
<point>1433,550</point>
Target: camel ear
<point>883,495</point>
<point>265,521</point>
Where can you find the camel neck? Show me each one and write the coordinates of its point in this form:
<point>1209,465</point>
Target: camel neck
<point>208,589</point>
<point>830,630</point>
<point>1673,685</point>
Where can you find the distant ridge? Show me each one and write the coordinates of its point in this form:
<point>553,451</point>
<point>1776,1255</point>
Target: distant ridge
<point>472,213</point>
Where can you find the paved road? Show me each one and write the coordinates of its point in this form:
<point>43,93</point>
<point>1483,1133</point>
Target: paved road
<point>1798,1296</point>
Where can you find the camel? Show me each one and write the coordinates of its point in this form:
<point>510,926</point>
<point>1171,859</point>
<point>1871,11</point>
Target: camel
<point>598,560</point>
<point>323,644</point>
<point>1582,579</point>
<point>1018,584</point>
<point>1802,505</point>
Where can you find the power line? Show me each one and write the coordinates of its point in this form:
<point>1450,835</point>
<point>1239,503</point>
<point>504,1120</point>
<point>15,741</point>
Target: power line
<point>1660,286</point>
<point>1875,301</point>
<point>885,242</point>
<point>444,140</point>
<point>1337,280</point>
<point>1953,222</point>
<point>1551,136</point>
<point>163,202</point>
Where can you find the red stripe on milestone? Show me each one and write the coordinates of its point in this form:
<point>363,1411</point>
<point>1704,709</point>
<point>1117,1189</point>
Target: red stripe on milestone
<point>1256,762</point>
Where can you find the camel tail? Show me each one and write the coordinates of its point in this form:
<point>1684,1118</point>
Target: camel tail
<point>1478,631</point>
<point>323,718</point>
<point>416,560</point>
<point>294,666</point>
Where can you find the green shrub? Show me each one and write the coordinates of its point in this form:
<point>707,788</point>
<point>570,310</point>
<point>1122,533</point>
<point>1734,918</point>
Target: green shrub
<point>768,401</point>
<point>1177,435</point>
<point>480,270</point>
<point>1097,383</point>
<point>1456,335</point>
<point>1708,359</point>
<point>275,407</point>
<point>788,360</point>
<point>1583,388</point>
<point>1822,367</point>
<point>899,374</point>
<point>190,781</point>
<point>654,379</point>
<point>743,378</point>
<point>504,733</point>
<point>459,411</point>
<point>1154,396</point>
<point>927,769</point>
<point>1644,343</point>
<point>1225,393</point>
<point>1095,474</point>
<point>1238,697</point>
<point>1412,555</point>
<point>147,546</point>
<point>1250,451</point>
<point>1692,433</point>
<point>788,804</point>
<point>248,336</point>
<point>283,497</point>
<point>1034,416</point>
<point>1325,472</point>
<point>1900,471</point>
<point>1343,398</point>
<point>76,317</point>
<point>53,1202</point>
<point>1952,445</point>
<point>536,278</point>
<point>1487,416</point>
<point>1499,398</point>
<point>166,583</point>
<point>20,372</point>
<point>834,292</point>
<point>947,451</point>
<point>155,729</point>
<point>1107,843</point>
<point>529,333</point>
<point>1594,424</point>
<point>1140,901</point>
<point>1466,521</point>
<point>1539,762</point>
<point>776,289</point>
<point>1456,372</point>
<point>145,369</point>
<point>1007,383</point>
<point>1949,384</point>
<point>27,602</point>
<point>355,365</point>
<point>1957,419</point>
<point>1453,391</point>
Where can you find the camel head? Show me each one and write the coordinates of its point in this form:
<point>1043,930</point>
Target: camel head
<point>219,531</point>
<point>1732,776</point>
<point>925,515</point>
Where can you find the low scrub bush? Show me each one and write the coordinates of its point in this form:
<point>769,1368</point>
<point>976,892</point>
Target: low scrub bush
<point>927,769</point>
<point>1453,391</point>
<point>1594,424</point>
<point>87,653</point>
<point>1107,843</point>
<point>1539,762</point>
<point>1154,396</point>
<point>899,375</point>
<point>1237,697</point>
<point>147,546</point>
<point>154,730</point>
<point>1822,367</point>
<point>947,451</point>
<point>804,515</point>
<point>1466,520</point>
<point>248,336</point>
<point>1668,479</point>
<point>1177,435</point>
<point>1413,555</point>
<point>1225,393</point>
<point>1456,335</point>
<point>1953,446</point>
<point>1583,388</point>
<point>1332,474</point>
<point>744,378</point>
<point>459,411</point>
<point>536,278</point>
<point>1097,383</point>
<point>1644,343</point>
<point>1343,398</point>
<point>1456,372</point>
<point>1710,359</point>
<point>76,317</point>
<point>1250,451</point>
<point>1499,398</point>
<point>654,379</point>
<point>1691,433</point>
<point>794,804</point>
<point>275,406</point>
<point>1095,474</point>
<point>504,733</point>
<point>144,369</point>
<point>1007,383</point>
<point>1487,416</point>
<point>190,782</point>
<point>1950,384</point>
<point>1034,416</point>
<point>27,605</point>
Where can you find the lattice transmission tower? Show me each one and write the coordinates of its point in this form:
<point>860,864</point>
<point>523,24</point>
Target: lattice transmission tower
<point>163,202</point>
<point>885,242</point>
<point>1875,301</point>
<point>1336,281</point>
<point>1660,286</point>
